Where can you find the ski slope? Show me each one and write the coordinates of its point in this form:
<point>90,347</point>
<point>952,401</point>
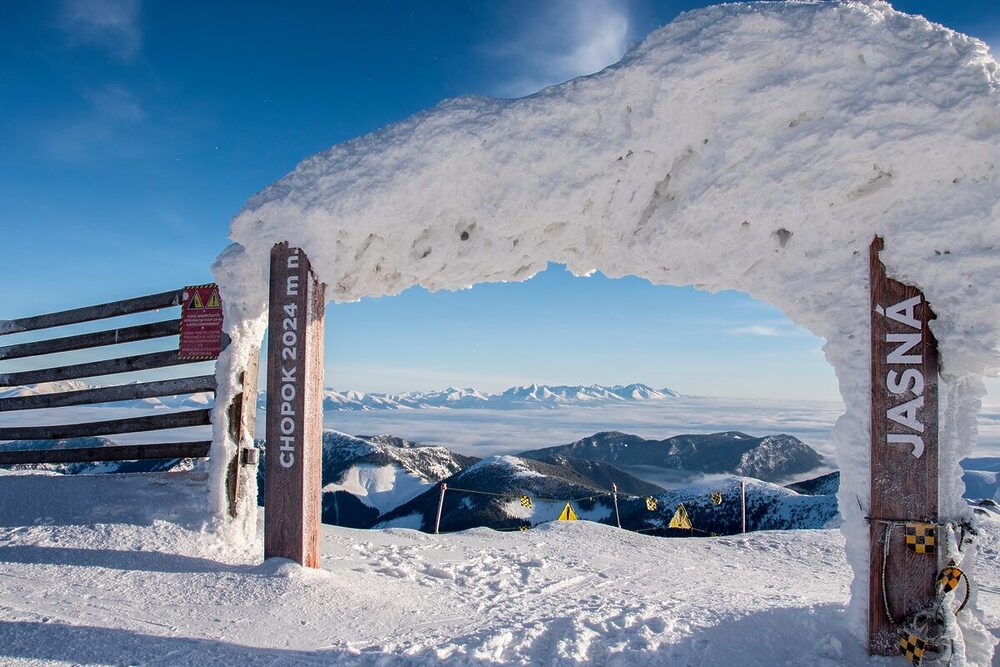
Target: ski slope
<point>79,589</point>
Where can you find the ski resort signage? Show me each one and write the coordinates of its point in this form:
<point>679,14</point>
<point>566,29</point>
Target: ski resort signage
<point>904,454</point>
<point>294,409</point>
<point>201,322</point>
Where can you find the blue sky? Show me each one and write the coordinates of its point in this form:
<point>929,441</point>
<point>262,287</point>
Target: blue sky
<point>131,132</point>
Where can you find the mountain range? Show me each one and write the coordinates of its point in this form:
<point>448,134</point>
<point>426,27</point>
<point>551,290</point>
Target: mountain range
<point>489,494</point>
<point>768,458</point>
<point>386,481</point>
<point>513,398</point>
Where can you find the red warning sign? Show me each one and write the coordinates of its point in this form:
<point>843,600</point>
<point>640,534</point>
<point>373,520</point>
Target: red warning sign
<point>201,322</point>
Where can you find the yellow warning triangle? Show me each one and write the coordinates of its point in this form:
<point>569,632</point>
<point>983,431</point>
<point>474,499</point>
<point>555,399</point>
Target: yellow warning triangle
<point>680,519</point>
<point>213,301</point>
<point>567,514</point>
<point>195,302</point>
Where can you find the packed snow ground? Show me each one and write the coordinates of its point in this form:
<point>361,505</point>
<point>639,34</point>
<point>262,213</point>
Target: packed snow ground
<point>148,586</point>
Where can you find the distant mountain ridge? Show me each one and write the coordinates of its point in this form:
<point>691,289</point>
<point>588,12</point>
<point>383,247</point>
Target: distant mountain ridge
<point>512,398</point>
<point>769,458</point>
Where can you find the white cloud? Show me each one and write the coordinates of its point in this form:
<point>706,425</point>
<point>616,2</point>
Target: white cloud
<point>117,103</point>
<point>562,40</point>
<point>112,25</point>
<point>105,126</point>
<point>761,330</point>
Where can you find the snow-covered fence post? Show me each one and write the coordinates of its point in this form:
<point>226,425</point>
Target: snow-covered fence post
<point>294,408</point>
<point>614,496</point>
<point>242,419</point>
<point>437,521</point>
<point>904,455</point>
<point>743,505</point>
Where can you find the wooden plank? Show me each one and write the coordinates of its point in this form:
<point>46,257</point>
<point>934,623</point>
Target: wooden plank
<point>107,427</point>
<point>167,450</point>
<point>89,313</point>
<point>140,362</point>
<point>294,409</point>
<point>96,339</point>
<point>904,450</point>
<point>125,392</point>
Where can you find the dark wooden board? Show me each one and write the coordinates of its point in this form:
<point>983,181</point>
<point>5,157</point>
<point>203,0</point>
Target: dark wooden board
<point>96,339</point>
<point>166,450</point>
<point>139,304</point>
<point>140,362</point>
<point>108,427</point>
<point>294,409</point>
<point>125,392</point>
<point>904,477</point>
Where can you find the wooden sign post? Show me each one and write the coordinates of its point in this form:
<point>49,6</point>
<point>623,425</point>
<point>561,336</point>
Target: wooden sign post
<point>904,456</point>
<point>294,409</point>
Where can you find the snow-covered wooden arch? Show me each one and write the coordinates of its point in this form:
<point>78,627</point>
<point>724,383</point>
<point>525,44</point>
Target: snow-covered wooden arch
<point>753,147</point>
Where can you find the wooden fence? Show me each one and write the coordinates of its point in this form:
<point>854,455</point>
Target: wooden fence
<point>240,414</point>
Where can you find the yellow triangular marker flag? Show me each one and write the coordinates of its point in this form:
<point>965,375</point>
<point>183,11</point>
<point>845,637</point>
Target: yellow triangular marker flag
<point>680,519</point>
<point>567,514</point>
<point>195,302</point>
<point>213,301</point>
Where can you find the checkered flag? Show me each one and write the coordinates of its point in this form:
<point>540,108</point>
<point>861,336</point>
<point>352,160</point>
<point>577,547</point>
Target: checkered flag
<point>921,538</point>
<point>913,646</point>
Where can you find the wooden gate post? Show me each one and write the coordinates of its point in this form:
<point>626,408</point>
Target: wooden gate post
<point>904,454</point>
<point>294,409</point>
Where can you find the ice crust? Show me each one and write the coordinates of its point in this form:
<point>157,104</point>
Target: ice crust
<point>757,147</point>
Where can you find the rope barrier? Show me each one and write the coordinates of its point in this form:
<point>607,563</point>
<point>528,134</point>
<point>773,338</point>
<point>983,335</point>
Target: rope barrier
<point>514,495</point>
<point>526,502</point>
<point>484,493</point>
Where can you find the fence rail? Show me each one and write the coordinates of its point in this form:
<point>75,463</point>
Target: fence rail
<point>109,426</point>
<point>102,311</point>
<point>96,339</point>
<point>128,392</point>
<point>139,362</point>
<point>167,450</point>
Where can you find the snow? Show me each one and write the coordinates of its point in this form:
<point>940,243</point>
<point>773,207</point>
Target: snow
<point>80,589</point>
<point>757,147</point>
<point>382,487</point>
<point>545,511</point>
<point>411,521</point>
<point>515,466</point>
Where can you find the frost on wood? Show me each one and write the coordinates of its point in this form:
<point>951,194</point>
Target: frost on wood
<point>753,147</point>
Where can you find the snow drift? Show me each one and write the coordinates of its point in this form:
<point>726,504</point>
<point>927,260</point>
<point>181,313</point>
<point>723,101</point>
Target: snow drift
<point>750,146</point>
